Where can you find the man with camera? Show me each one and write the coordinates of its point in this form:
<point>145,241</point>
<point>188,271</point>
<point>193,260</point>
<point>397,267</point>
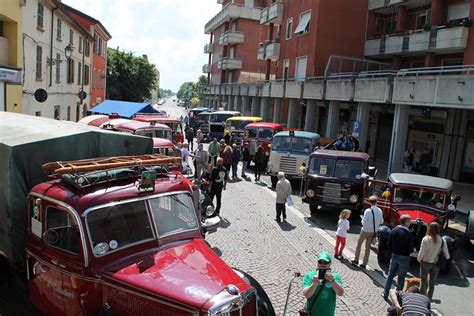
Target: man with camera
<point>321,287</point>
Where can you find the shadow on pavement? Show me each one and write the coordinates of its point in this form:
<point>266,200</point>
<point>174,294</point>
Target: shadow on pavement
<point>224,223</point>
<point>285,226</point>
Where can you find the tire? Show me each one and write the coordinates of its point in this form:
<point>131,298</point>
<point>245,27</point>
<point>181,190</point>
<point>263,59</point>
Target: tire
<point>382,251</point>
<point>274,180</point>
<point>313,208</point>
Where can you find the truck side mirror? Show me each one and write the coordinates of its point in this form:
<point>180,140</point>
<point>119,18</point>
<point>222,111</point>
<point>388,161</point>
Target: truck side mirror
<point>372,172</point>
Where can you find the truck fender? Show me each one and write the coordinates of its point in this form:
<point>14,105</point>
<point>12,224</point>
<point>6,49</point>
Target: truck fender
<point>470,225</point>
<point>383,232</point>
<point>265,306</point>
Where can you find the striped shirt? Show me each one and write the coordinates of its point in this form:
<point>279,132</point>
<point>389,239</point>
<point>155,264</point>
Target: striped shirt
<point>414,304</point>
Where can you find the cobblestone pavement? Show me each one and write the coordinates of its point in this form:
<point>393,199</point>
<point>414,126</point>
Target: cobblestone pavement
<point>250,239</point>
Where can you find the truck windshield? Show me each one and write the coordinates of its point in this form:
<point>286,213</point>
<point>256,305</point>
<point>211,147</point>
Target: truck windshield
<point>173,214</point>
<point>349,169</point>
<point>292,143</point>
<point>322,167</point>
<point>419,196</point>
<point>266,133</point>
<point>219,118</point>
<point>237,125</point>
<point>118,226</point>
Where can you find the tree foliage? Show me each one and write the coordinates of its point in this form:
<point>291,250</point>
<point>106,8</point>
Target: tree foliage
<point>189,91</point>
<point>130,78</point>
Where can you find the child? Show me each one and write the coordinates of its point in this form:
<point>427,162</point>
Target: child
<point>341,233</point>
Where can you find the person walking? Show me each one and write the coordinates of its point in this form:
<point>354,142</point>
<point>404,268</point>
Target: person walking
<point>258,163</point>
<point>245,159</point>
<point>401,245</point>
<point>185,152</point>
<point>343,226</point>
<point>213,151</point>
<point>218,182</point>
<point>235,160</point>
<point>226,154</point>
<point>321,287</point>
<point>432,247</point>
<point>283,191</point>
<point>408,160</point>
<point>200,158</point>
<point>371,220</point>
<point>190,137</point>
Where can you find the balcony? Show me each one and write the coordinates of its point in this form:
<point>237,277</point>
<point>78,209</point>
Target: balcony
<point>229,63</point>
<point>451,39</point>
<point>229,12</point>
<point>272,14</point>
<point>4,56</point>
<point>376,89</point>
<point>206,68</point>
<point>380,4</point>
<point>383,46</point>
<point>277,89</point>
<point>208,48</point>
<point>341,89</point>
<point>418,42</point>
<point>231,38</point>
<point>313,89</point>
<point>270,50</point>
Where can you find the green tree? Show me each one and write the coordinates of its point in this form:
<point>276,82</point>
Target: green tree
<point>130,78</point>
<point>189,91</point>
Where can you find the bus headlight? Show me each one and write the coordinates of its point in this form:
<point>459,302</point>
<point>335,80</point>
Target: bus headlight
<point>310,193</point>
<point>353,198</point>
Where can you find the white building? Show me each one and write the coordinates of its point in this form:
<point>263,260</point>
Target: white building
<point>57,54</point>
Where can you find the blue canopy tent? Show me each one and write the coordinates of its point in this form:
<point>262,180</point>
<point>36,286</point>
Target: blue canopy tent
<point>122,108</point>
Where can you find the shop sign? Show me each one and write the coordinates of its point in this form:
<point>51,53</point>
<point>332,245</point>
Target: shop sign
<point>10,75</point>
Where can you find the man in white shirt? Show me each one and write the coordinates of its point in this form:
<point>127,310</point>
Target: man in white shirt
<point>371,220</point>
<point>283,190</point>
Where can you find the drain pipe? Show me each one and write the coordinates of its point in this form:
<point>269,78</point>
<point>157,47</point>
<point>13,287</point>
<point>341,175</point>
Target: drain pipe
<point>51,49</point>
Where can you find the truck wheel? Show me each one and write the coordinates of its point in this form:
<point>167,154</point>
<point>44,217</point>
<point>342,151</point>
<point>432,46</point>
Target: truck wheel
<point>382,251</point>
<point>274,180</point>
<point>313,209</point>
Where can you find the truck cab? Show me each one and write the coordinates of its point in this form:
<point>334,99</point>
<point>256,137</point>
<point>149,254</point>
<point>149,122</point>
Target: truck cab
<point>261,134</point>
<point>235,127</point>
<point>122,236</point>
<point>173,123</point>
<point>289,151</point>
<point>217,123</point>
<point>336,179</point>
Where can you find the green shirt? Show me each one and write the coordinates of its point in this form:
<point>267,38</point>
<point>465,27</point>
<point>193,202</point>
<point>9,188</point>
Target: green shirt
<point>213,149</point>
<point>326,303</point>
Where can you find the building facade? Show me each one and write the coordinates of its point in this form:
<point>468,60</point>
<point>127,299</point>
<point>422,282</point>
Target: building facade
<point>99,53</point>
<point>395,73</point>
<point>58,61</point>
<point>11,56</point>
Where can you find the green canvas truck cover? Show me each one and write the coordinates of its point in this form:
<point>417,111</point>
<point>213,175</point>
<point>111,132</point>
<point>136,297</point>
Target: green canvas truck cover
<point>26,142</point>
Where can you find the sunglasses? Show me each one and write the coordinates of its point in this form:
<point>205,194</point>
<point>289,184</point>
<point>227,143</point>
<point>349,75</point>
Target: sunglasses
<point>322,262</point>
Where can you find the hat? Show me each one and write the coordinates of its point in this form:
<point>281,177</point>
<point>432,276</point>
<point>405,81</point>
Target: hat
<point>325,256</point>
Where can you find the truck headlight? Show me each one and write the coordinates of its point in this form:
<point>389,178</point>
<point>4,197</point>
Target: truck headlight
<point>451,207</point>
<point>353,198</point>
<point>209,210</point>
<point>310,193</point>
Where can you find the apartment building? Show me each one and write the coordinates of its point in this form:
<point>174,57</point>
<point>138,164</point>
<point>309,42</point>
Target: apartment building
<point>396,73</point>
<point>58,60</point>
<point>99,53</point>
<point>11,56</point>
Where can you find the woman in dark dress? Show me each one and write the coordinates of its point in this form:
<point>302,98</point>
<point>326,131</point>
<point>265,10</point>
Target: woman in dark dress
<point>258,163</point>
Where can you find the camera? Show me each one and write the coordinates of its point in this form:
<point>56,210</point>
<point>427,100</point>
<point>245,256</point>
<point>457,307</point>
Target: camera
<point>321,274</point>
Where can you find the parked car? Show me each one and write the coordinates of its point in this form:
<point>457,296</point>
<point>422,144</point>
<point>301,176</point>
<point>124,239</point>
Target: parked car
<point>426,199</point>
<point>336,178</point>
<point>290,150</point>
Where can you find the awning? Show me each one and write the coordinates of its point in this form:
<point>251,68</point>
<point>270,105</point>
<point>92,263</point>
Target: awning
<point>122,108</point>
<point>304,22</point>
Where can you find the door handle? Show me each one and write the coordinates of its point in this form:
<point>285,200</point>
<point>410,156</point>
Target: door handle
<point>58,263</point>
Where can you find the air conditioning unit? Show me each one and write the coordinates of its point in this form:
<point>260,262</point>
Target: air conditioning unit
<point>22,3</point>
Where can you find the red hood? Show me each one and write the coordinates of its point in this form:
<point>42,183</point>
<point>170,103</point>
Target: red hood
<point>418,214</point>
<point>190,273</point>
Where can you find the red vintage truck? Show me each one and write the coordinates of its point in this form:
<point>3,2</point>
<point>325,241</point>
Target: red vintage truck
<point>115,236</point>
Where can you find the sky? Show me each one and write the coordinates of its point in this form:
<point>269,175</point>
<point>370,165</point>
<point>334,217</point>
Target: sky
<point>170,32</point>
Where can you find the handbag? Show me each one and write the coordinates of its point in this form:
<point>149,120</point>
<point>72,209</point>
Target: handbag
<point>304,311</point>
<point>374,239</point>
<point>441,262</point>
<point>289,200</point>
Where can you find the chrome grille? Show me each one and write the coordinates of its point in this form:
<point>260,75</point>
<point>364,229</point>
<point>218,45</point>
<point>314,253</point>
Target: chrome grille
<point>288,165</point>
<point>332,193</point>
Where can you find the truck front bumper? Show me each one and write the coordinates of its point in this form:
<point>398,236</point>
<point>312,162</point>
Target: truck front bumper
<point>211,224</point>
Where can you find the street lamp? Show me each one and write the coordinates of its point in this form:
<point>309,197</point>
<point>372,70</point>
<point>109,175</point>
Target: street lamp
<point>67,52</point>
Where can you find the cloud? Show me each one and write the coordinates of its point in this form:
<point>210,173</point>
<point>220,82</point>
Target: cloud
<point>170,32</point>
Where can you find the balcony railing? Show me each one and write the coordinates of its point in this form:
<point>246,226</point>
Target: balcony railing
<point>452,39</point>
<point>4,56</point>
<point>379,4</point>
<point>229,63</point>
<point>231,38</point>
<point>231,11</point>
<point>206,68</point>
<point>208,48</point>
<point>272,14</point>
<point>269,50</point>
